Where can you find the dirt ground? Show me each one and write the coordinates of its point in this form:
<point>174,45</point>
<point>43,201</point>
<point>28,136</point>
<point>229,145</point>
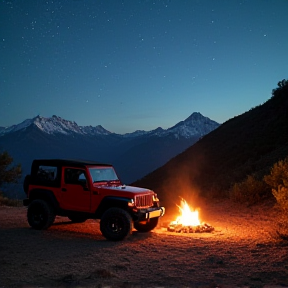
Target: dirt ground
<point>242,252</point>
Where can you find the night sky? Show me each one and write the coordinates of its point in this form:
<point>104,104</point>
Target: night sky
<point>129,65</point>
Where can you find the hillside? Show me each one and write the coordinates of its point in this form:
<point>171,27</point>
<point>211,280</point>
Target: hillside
<point>248,144</point>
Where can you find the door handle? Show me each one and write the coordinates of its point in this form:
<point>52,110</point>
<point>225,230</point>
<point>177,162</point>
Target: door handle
<point>64,189</point>
<point>95,193</point>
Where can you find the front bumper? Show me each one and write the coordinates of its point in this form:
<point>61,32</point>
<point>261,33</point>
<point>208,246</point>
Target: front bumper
<point>145,214</point>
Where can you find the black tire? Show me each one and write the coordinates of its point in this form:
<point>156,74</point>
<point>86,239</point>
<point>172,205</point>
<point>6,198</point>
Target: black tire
<point>146,227</point>
<point>116,224</point>
<point>77,218</point>
<point>40,214</point>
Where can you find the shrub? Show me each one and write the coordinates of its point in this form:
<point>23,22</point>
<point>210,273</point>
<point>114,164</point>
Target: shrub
<point>4,201</point>
<point>278,180</point>
<point>281,196</point>
<point>278,174</point>
<point>249,191</point>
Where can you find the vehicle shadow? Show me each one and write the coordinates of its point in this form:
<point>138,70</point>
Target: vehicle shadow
<point>92,228</point>
<point>68,222</point>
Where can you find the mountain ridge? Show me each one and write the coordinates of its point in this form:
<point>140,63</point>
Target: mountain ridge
<point>55,124</point>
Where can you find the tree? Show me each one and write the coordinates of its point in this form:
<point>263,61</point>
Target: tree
<point>282,83</point>
<point>282,87</point>
<point>8,173</point>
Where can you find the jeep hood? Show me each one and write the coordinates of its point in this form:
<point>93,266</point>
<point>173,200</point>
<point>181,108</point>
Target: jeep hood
<point>124,188</point>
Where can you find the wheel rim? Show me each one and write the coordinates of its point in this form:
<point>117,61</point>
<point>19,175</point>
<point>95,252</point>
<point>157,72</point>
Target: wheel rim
<point>116,225</point>
<point>37,216</point>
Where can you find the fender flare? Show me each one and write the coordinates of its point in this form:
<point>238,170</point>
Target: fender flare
<point>44,194</point>
<point>112,201</point>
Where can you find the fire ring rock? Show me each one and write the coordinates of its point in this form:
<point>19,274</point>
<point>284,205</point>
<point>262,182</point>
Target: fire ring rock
<point>179,228</point>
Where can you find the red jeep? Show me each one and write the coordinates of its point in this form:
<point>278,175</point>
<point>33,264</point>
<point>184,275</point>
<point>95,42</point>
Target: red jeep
<point>82,190</point>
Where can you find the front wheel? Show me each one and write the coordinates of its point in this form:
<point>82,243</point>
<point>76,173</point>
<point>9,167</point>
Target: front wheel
<point>40,214</point>
<point>116,224</point>
<point>146,226</point>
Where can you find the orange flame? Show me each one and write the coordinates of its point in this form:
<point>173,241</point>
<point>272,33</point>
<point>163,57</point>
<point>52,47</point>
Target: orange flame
<point>187,217</point>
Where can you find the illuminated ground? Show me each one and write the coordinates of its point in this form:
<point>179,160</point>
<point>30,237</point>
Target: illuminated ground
<point>241,252</point>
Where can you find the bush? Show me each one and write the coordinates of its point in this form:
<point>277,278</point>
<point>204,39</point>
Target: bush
<point>4,201</point>
<point>249,191</point>
<point>278,174</point>
<point>278,180</point>
<point>281,196</point>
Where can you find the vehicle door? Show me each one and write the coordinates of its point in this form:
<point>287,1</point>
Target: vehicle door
<point>75,190</point>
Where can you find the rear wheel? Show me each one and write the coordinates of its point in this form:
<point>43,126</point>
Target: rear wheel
<point>40,214</point>
<point>116,224</point>
<point>147,225</point>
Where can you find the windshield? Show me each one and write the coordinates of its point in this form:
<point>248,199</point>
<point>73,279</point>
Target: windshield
<point>103,174</point>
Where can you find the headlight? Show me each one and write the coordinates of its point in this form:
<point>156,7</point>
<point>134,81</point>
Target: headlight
<point>155,198</point>
<point>131,203</point>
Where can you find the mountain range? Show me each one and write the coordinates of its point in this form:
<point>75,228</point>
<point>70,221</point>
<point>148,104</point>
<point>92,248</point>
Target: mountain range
<point>195,125</point>
<point>133,154</point>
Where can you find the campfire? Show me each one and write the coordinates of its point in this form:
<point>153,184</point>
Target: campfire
<point>188,221</point>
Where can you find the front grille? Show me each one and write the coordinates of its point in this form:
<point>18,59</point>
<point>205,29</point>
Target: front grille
<point>144,201</point>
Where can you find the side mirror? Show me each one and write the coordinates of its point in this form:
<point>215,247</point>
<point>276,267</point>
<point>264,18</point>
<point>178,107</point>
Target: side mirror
<point>84,186</point>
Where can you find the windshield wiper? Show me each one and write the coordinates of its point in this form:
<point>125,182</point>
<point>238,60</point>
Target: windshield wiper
<point>108,181</point>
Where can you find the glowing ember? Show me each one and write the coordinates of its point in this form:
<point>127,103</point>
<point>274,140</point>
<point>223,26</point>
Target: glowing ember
<point>188,221</point>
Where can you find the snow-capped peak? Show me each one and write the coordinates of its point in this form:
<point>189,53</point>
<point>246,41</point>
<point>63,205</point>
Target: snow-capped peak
<point>17,127</point>
<point>55,125</point>
<point>195,124</point>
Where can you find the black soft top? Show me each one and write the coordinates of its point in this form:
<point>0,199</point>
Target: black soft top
<point>65,162</point>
